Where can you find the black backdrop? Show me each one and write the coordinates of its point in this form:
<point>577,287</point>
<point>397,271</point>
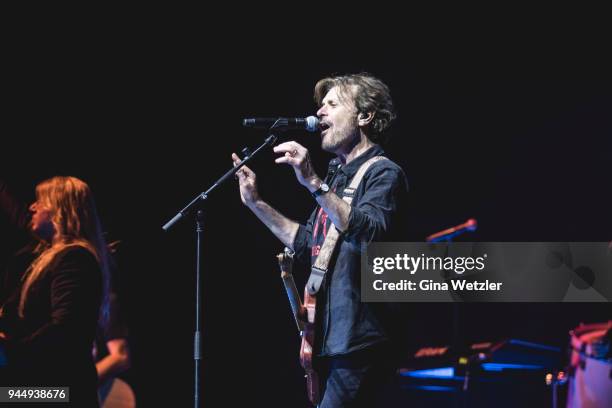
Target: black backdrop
<point>148,128</point>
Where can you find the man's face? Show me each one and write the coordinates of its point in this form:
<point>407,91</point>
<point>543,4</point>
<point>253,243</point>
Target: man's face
<point>338,118</point>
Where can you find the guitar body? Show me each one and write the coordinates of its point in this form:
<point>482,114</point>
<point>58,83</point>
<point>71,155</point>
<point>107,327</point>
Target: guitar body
<point>116,393</point>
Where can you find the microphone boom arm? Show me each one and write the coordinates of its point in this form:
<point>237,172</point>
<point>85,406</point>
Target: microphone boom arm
<point>270,140</point>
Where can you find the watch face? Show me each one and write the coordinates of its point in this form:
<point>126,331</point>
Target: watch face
<point>323,188</point>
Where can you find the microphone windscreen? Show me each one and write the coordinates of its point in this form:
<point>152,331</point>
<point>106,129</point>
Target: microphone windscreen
<point>312,124</point>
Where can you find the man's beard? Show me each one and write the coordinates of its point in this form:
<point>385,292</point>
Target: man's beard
<point>331,142</point>
<point>338,139</point>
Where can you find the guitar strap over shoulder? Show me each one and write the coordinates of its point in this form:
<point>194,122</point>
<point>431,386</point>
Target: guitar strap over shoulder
<point>321,265</point>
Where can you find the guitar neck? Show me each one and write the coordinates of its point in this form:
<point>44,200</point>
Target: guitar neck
<point>304,315</point>
<point>285,262</point>
<point>294,298</point>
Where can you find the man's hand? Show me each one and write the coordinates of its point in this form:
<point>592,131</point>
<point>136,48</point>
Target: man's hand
<point>282,227</point>
<point>297,156</point>
<point>247,181</point>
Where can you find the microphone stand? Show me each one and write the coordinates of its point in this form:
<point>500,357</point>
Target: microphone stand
<point>202,197</point>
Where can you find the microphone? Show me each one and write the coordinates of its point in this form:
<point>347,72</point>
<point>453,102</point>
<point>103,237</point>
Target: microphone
<point>310,124</point>
<point>447,234</point>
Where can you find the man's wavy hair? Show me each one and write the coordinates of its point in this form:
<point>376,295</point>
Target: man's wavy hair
<point>368,94</point>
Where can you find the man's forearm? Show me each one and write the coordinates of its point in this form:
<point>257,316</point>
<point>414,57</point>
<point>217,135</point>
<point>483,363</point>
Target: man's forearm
<point>336,208</point>
<point>110,366</point>
<point>282,227</point>
<point>117,361</point>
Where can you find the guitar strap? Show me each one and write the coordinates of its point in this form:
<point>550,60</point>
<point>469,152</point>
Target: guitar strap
<point>321,265</point>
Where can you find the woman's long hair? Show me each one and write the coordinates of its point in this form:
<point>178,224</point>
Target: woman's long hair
<point>76,224</point>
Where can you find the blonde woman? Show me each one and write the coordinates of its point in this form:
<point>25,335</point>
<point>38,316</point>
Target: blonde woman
<point>49,323</point>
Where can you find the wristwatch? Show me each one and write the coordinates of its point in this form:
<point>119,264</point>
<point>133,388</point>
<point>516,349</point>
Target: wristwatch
<point>323,188</point>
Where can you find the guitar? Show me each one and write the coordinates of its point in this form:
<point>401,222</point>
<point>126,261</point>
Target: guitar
<point>304,315</point>
<point>116,393</point>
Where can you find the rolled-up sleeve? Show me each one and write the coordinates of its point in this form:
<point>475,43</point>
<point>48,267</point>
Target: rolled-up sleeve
<point>371,217</point>
<point>303,242</point>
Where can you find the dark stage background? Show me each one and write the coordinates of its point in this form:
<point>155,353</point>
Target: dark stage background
<point>529,159</point>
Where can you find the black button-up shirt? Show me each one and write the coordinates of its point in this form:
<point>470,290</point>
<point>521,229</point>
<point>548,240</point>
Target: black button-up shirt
<point>345,323</point>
